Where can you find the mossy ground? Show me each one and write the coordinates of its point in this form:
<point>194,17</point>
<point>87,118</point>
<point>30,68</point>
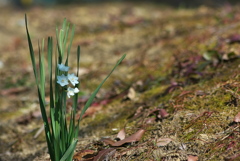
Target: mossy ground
<point>185,61</point>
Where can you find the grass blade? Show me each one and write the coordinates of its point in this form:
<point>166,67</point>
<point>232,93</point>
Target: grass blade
<point>50,54</point>
<point>69,153</point>
<point>90,100</point>
<point>31,52</point>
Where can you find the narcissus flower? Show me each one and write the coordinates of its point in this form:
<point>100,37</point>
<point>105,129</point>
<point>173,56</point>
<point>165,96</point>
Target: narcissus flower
<point>72,91</point>
<point>63,68</point>
<point>62,80</point>
<point>73,79</point>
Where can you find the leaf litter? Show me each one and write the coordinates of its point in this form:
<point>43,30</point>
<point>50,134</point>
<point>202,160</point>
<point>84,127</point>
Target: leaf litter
<point>176,97</point>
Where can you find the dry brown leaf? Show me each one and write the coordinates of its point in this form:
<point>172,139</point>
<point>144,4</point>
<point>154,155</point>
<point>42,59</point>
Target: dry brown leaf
<point>104,154</point>
<point>108,141</point>
<point>131,94</point>
<point>163,113</point>
<point>81,154</point>
<point>121,134</point>
<point>92,110</point>
<point>133,138</point>
<point>36,114</point>
<point>237,117</point>
<point>163,141</point>
<point>138,113</point>
<point>192,158</point>
<point>159,112</point>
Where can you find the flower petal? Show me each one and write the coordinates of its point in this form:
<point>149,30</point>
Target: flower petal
<point>73,79</point>
<point>71,91</point>
<point>63,68</point>
<point>62,80</point>
<point>76,90</point>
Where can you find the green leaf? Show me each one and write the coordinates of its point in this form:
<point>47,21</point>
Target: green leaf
<point>41,99</point>
<point>78,59</point>
<point>42,71</point>
<point>69,153</point>
<point>50,53</point>
<point>90,100</point>
<point>46,124</point>
<point>31,52</point>
<point>70,44</point>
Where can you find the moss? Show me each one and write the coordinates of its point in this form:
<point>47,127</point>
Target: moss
<point>115,116</point>
<point>154,91</point>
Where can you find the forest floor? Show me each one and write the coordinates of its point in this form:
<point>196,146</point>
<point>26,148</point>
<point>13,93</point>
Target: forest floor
<point>176,96</point>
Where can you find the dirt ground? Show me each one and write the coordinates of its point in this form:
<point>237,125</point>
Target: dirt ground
<point>176,96</point>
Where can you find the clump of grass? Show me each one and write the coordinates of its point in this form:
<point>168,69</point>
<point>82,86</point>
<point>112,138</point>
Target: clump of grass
<point>61,136</point>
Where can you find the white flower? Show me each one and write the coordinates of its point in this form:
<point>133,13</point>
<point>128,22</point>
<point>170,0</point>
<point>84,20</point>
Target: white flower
<point>62,80</point>
<point>72,91</point>
<point>73,79</point>
<point>63,68</point>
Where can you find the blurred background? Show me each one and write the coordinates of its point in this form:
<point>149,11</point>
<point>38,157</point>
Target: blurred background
<point>165,42</point>
<point>175,3</point>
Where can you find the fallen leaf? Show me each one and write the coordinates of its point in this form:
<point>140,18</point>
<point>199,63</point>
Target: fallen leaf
<point>84,155</point>
<point>162,113</point>
<point>139,112</point>
<point>36,114</point>
<point>131,94</point>
<point>192,158</point>
<point>237,117</point>
<point>133,138</point>
<point>121,134</point>
<point>108,141</point>
<point>163,141</point>
<point>104,154</point>
<point>92,109</point>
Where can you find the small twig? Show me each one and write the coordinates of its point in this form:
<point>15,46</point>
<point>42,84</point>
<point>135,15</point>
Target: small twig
<point>40,130</point>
